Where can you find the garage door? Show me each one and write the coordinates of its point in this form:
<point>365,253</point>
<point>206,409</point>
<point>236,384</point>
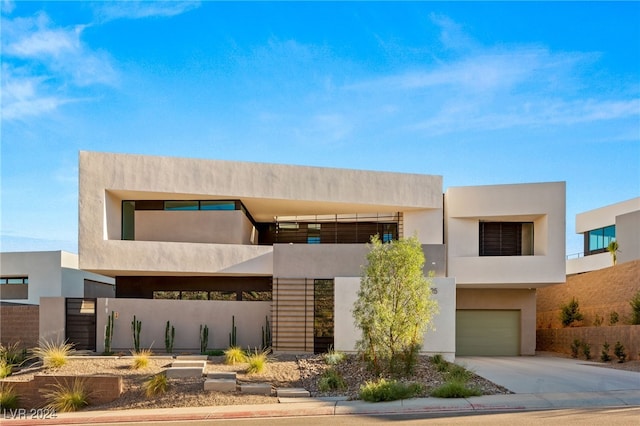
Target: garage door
<point>487,332</point>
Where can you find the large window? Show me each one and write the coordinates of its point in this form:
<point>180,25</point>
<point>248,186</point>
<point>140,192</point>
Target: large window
<point>14,280</point>
<point>506,238</point>
<point>597,240</point>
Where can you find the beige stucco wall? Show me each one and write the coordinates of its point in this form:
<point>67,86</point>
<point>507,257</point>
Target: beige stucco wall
<point>52,319</point>
<point>426,225</point>
<point>51,274</point>
<point>523,300</point>
<point>267,190</point>
<point>541,203</point>
<point>222,227</point>
<point>440,339</point>
<point>186,316</point>
<point>628,236</point>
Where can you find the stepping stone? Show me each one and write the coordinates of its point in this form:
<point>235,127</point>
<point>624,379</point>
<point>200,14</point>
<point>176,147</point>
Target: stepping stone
<point>220,385</point>
<point>182,372</point>
<point>256,388</point>
<point>292,393</point>
<point>185,363</point>
<point>192,357</point>
<point>229,375</point>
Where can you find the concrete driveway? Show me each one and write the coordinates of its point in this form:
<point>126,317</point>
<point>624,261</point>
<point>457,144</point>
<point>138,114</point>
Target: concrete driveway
<point>542,374</point>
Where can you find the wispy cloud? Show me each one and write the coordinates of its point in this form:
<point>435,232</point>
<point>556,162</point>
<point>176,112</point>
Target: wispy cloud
<point>43,64</point>
<point>110,11</point>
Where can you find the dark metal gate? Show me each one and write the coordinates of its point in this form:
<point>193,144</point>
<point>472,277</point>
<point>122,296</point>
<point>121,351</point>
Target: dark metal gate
<point>80,323</point>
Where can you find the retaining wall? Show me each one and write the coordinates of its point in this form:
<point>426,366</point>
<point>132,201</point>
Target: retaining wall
<point>560,339</point>
<point>102,389</point>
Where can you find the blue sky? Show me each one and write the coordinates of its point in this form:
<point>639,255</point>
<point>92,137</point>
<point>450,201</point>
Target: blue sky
<point>480,93</point>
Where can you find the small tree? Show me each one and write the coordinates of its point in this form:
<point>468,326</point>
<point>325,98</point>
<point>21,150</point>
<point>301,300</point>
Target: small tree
<point>394,306</point>
<point>570,313</point>
<point>635,309</point>
<point>613,249</point>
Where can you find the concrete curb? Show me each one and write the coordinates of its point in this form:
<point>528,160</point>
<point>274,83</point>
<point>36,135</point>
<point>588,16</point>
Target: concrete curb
<point>318,407</point>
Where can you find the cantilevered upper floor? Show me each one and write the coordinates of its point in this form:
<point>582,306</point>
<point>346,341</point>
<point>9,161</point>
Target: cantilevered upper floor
<point>146,215</point>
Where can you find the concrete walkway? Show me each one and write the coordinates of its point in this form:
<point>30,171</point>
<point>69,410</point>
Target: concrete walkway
<point>540,374</point>
<point>318,407</point>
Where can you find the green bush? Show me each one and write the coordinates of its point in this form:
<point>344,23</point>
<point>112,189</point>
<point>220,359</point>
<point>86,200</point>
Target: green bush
<point>13,354</point>
<point>455,389</point>
<point>618,351</point>
<point>575,347</point>
<point>331,380</point>
<point>586,350</point>
<point>8,397</point>
<point>214,352</point>
<point>333,357</point>
<point>156,385</point>
<point>458,373</point>
<point>604,356</point>
<point>570,313</point>
<point>5,369</point>
<point>389,390</point>
<point>597,322</point>
<point>635,309</point>
<point>613,318</point>
<point>141,359</point>
<point>440,363</point>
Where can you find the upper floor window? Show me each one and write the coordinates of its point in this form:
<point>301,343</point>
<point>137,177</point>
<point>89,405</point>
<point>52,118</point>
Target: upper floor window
<point>597,240</point>
<point>14,280</point>
<point>506,238</point>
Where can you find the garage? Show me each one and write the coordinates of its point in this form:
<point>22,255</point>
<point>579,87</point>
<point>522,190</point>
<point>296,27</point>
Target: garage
<point>487,332</point>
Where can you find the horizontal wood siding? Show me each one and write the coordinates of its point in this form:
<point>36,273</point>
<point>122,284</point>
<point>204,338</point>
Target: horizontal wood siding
<point>292,311</point>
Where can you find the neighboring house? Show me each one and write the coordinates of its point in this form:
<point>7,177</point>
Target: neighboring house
<point>295,238</point>
<point>25,277</point>
<point>620,222</point>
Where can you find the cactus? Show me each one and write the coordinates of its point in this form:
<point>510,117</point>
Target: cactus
<point>169,336</point>
<point>108,334</point>
<point>233,334</point>
<point>266,334</point>
<point>204,338</point>
<point>136,326</point>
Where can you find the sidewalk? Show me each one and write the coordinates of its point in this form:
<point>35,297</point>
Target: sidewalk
<point>318,407</point>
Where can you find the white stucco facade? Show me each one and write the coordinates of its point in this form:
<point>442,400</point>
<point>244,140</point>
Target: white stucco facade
<point>325,213</point>
<point>50,274</point>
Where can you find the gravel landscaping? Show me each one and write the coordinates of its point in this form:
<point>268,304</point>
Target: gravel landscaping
<point>282,371</point>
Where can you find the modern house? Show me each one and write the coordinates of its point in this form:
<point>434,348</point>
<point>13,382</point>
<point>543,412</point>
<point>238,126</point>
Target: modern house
<point>620,222</point>
<point>25,277</point>
<point>202,240</point>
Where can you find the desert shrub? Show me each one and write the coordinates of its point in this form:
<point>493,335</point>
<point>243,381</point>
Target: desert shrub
<point>66,397</point>
<point>618,351</point>
<point>389,390</point>
<point>455,389</point>
<point>575,348</point>
<point>234,355</point>
<point>440,363</point>
<point>635,309</point>
<point>156,385</point>
<point>53,354</point>
<point>570,313</point>
<point>8,397</point>
<point>333,357</point>
<point>5,369</point>
<point>604,355</point>
<point>613,318</point>
<point>586,350</point>
<point>597,322</point>
<point>258,361</point>
<point>13,354</point>
<point>458,373</point>
<point>331,379</point>
<point>141,359</point>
